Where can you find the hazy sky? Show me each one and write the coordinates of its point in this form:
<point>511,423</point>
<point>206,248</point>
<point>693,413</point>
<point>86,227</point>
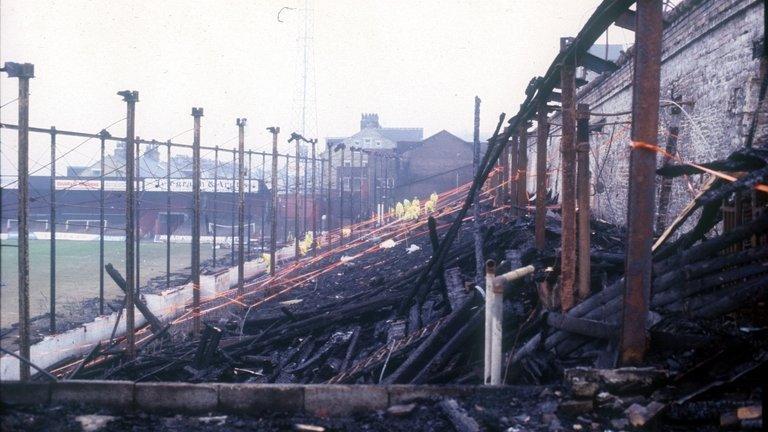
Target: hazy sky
<point>416,63</point>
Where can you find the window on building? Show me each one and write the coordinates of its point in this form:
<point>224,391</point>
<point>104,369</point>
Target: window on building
<point>378,143</point>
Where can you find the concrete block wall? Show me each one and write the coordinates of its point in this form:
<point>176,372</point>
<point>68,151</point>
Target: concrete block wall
<point>251,399</point>
<point>708,59</point>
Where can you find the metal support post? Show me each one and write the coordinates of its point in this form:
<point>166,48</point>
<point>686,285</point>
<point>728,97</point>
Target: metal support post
<point>568,199</point>
<point>542,130</point>
<point>512,154</point>
<point>130,97</point>
<point>250,200</point>
<point>583,190</point>
<point>340,180</point>
<point>103,135</point>
<point>314,198</point>
<point>215,199</point>
<point>23,72</point>
<point>197,113</point>
<point>642,166</point>
<point>287,189</point>
<point>240,208</point>
<point>305,179</point>
<point>296,186</point>
<point>329,218</point>
<point>477,233</point>
<point>273,210</point>
<point>168,215</point>
<point>263,204</point>
<point>53,232</point>
<point>522,169</point>
<point>233,212</point>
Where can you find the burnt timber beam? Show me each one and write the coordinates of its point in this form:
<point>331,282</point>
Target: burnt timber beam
<point>596,64</point>
<point>628,19</point>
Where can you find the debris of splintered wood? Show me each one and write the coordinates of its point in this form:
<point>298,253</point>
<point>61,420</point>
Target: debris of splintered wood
<point>153,321</point>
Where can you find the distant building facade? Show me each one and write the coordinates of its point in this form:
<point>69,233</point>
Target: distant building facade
<point>381,166</point>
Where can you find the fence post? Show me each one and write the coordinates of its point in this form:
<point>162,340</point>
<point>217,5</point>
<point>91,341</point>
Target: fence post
<point>23,72</point>
<point>273,212</point>
<point>296,186</point>
<point>287,189</point>
<point>103,135</point>
<point>250,200</point>
<point>53,231</point>
<point>263,204</point>
<point>642,166</point>
<point>130,97</point>
<point>314,199</point>
<point>240,208</point>
<point>329,218</point>
<point>196,172</point>
<point>215,199</point>
<point>168,215</point>
<point>233,212</point>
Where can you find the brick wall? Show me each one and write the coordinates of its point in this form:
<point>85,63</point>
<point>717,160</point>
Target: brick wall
<point>708,60</point>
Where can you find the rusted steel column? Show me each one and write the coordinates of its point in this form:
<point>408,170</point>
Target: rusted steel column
<point>130,97</point>
<point>541,176</point>
<point>53,232</point>
<point>240,207</point>
<point>666,182</point>
<point>522,169</point>
<point>23,72</point>
<point>195,265</point>
<point>568,170</point>
<point>273,210</point>
<point>642,165</point>
<point>583,188</point>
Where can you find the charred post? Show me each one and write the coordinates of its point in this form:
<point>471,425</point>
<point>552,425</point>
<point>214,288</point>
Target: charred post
<point>568,199</point>
<point>642,165</point>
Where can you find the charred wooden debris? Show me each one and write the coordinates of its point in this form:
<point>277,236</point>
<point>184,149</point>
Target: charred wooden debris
<point>368,322</point>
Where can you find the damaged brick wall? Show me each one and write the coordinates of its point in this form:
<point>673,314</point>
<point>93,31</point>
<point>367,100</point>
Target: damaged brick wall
<point>711,61</point>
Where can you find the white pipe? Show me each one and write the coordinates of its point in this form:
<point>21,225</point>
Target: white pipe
<point>488,326</point>
<point>494,318</point>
